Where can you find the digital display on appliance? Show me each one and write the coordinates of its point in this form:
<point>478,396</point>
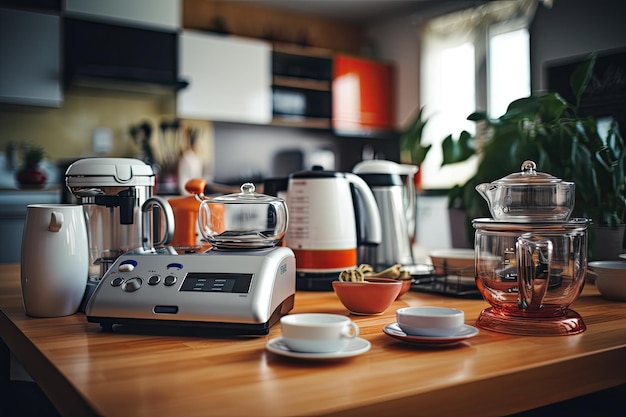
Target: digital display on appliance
<point>217,282</point>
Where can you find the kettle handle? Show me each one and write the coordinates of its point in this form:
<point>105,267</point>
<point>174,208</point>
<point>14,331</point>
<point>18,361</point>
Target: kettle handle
<point>410,196</point>
<point>168,216</point>
<point>534,258</point>
<point>372,228</point>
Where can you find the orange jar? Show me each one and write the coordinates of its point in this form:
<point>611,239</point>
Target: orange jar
<point>185,208</point>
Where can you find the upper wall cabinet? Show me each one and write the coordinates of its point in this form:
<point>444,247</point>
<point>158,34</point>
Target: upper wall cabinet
<point>158,14</point>
<point>301,87</point>
<point>362,95</point>
<point>123,58</point>
<point>30,58</point>
<point>229,78</point>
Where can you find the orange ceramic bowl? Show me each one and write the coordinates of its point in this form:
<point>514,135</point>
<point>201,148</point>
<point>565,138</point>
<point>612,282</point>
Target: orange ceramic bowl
<point>371,297</point>
<point>406,286</point>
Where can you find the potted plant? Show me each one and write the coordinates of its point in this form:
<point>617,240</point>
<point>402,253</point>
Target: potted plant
<point>547,129</point>
<point>411,149</point>
<point>29,175</point>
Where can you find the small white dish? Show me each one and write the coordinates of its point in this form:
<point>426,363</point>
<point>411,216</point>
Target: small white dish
<point>354,347</point>
<point>430,320</point>
<point>396,332</point>
<point>610,278</point>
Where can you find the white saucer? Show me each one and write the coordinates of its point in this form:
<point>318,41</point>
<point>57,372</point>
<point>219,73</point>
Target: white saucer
<point>396,332</point>
<point>354,347</point>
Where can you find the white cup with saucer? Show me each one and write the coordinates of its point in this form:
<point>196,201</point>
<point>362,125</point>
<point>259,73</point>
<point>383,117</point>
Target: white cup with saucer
<point>317,332</point>
<point>430,321</point>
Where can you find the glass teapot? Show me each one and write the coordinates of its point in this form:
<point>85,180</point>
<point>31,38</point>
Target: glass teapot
<point>529,196</point>
<point>245,220</point>
<point>531,261</point>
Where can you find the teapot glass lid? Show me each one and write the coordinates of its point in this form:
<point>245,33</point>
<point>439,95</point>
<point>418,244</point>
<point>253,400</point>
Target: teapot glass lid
<point>528,176</point>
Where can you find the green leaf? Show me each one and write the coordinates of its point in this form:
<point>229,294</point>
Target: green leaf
<point>581,76</point>
<point>551,106</point>
<point>411,139</point>
<point>460,150</point>
<point>478,116</point>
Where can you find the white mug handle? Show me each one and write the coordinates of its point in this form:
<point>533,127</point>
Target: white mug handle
<point>351,330</point>
<point>56,221</point>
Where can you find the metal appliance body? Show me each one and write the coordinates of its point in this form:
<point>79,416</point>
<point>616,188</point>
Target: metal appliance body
<point>396,202</point>
<point>117,198</point>
<point>395,247</point>
<point>241,291</point>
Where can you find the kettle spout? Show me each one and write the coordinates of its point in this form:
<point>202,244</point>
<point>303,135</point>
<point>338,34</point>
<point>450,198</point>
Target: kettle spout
<point>486,191</point>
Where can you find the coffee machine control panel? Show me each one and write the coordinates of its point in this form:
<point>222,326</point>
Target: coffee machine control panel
<point>247,290</point>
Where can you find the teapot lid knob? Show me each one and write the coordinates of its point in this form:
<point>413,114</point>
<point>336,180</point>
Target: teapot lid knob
<point>529,168</point>
<point>247,188</point>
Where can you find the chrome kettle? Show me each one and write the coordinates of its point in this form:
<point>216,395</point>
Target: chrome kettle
<point>394,190</point>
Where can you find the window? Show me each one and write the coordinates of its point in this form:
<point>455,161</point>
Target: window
<point>509,67</point>
<point>471,60</point>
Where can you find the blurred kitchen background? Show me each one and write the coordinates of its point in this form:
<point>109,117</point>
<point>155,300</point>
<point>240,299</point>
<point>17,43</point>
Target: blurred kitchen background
<point>248,89</point>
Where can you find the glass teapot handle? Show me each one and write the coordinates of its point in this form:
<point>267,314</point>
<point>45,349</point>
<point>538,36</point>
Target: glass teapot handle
<point>534,259</point>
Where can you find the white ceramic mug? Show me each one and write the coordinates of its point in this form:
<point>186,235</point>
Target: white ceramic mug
<point>55,259</point>
<point>317,332</point>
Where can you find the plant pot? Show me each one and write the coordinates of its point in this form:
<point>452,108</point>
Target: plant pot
<point>31,177</point>
<point>606,243</point>
<point>459,229</point>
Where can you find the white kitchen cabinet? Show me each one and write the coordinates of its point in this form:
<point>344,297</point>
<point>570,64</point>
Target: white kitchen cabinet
<point>159,14</point>
<point>229,78</point>
<point>30,69</point>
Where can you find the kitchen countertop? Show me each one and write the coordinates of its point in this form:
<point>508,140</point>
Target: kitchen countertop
<point>87,372</point>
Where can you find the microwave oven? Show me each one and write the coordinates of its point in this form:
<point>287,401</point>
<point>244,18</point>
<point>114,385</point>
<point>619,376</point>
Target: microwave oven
<point>301,102</point>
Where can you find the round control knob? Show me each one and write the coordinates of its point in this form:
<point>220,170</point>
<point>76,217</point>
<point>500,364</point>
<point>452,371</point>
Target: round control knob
<point>154,280</point>
<point>169,280</point>
<point>132,284</point>
<point>116,282</point>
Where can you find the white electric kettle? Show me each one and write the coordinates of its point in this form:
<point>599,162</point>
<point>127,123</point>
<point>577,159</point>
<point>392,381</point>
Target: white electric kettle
<point>330,215</point>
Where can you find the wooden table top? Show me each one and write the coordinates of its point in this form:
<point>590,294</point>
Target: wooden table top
<point>85,371</point>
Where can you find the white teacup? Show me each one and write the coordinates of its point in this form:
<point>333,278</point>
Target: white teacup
<point>55,259</point>
<point>317,332</point>
<point>430,321</point>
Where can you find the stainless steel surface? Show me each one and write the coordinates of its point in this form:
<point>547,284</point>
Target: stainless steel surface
<point>395,246</point>
<point>393,188</point>
<point>205,288</point>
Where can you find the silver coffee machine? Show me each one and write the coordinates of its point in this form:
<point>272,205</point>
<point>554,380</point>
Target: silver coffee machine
<point>120,210</point>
